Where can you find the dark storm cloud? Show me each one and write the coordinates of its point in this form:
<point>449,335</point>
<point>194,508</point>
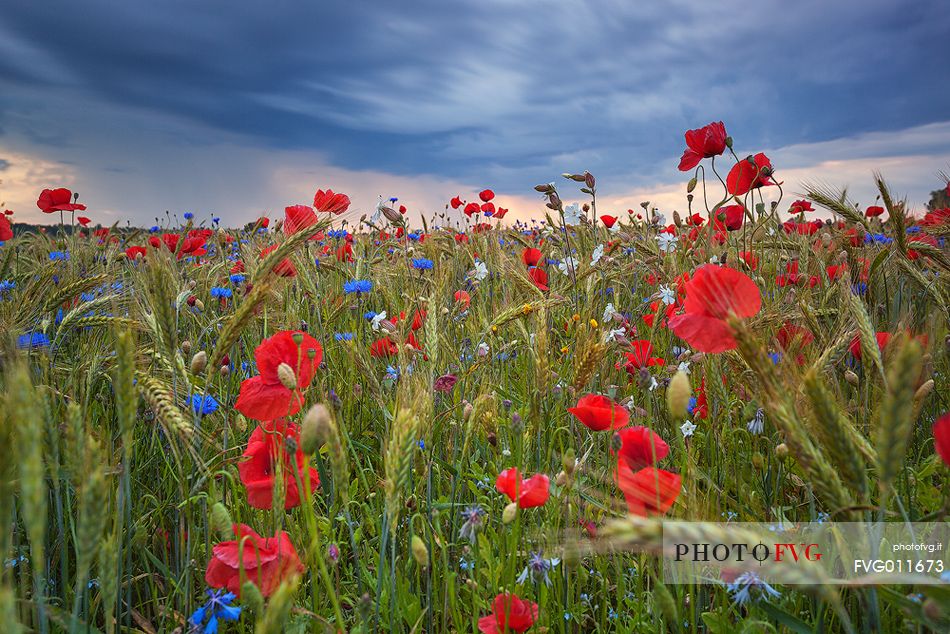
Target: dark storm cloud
<point>513,90</point>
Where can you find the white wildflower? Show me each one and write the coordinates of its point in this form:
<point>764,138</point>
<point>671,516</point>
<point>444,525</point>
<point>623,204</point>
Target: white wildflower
<point>687,428</point>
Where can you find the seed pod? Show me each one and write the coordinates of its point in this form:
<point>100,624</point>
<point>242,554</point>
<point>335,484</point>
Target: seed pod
<point>851,377</point>
<point>186,347</point>
<point>509,514</point>
<point>221,520</point>
<point>781,451</point>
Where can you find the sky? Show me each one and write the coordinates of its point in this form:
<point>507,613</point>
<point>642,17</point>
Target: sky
<point>241,108</point>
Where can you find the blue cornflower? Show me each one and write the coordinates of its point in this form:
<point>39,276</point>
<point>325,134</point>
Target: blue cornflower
<point>776,357</point>
<point>423,264</point>
<point>189,215</point>
<point>221,291</point>
<point>215,220</point>
<point>859,289</point>
<point>343,336</point>
<point>748,582</point>
<point>473,517</point>
<point>87,297</point>
<point>32,340</point>
<point>538,567</point>
<point>154,229</point>
<point>691,405</point>
<point>237,278</point>
<point>59,255</point>
<point>204,405</point>
<point>368,315</point>
<point>913,229</point>
<point>415,236</point>
<point>393,199</point>
<point>6,285</point>
<point>218,607</point>
<point>357,286</point>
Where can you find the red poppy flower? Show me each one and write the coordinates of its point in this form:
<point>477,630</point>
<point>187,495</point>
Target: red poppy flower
<point>855,346</point>
<point>53,200</point>
<point>238,267</point>
<point>6,231</point>
<point>500,213</point>
<point>266,448</point>
<point>608,221</point>
<point>540,277</point>
<point>791,275</point>
<point>873,211</point>
<point>648,491</point>
<point>281,363</point>
<point>330,202</point>
<point>83,221</point>
<point>456,202</point>
<point>263,222</point>
<point>920,239</point>
<point>941,432</point>
<point>730,217</point>
<point>803,228</point>
<point>486,195</point>
<point>836,270</point>
<point>600,412</point>
<point>704,142</point>
<point>266,561</point>
<point>749,174</point>
<point>488,209</point>
<point>792,339</point>
<point>471,208</point>
<point>701,408</point>
<point>384,347</point>
<point>297,218</point>
<point>641,447</point>
<point>529,492</point>
<point>285,268</point>
<point>640,357</point>
<point>531,256</point>
<point>749,258</point>
<point>510,613</point>
<point>712,296</point>
<point>135,252</point>
<point>800,207</point>
<point>7,212</point>
<point>463,298</point>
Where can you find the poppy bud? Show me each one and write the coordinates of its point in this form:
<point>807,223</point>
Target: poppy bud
<point>313,429</point>
<point>851,377</point>
<point>585,207</point>
<point>826,239</point>
<point>391,214</point>
<point>419,551</point>
<point>509,514</point>
<point>728,141</point>
<point>221,520</point>
<point>677,394</point>
<point>467,411</point>
<point>589,179</point>
<point>492,439</point>
<point>781,451</point>
<point>569,461</point>
<point>691,185</point>
<point>251,596</point>
<point>676,219</point>
<point>645,204</point>
<point>932,610</point>
<point>644,378</point>
<point>757,460</point>
<point>554,199</point>
<point>200,305</point>
<point>225,370</point>
<point>561,479</point>
<point>287,377</point>
<point>186,347</point>
<point>544,188</point>
<point>191,300</point>
<point>199,362</point>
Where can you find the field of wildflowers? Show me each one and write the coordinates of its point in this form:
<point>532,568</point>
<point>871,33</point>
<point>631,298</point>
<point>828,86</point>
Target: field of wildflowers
<point>340,422</point>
